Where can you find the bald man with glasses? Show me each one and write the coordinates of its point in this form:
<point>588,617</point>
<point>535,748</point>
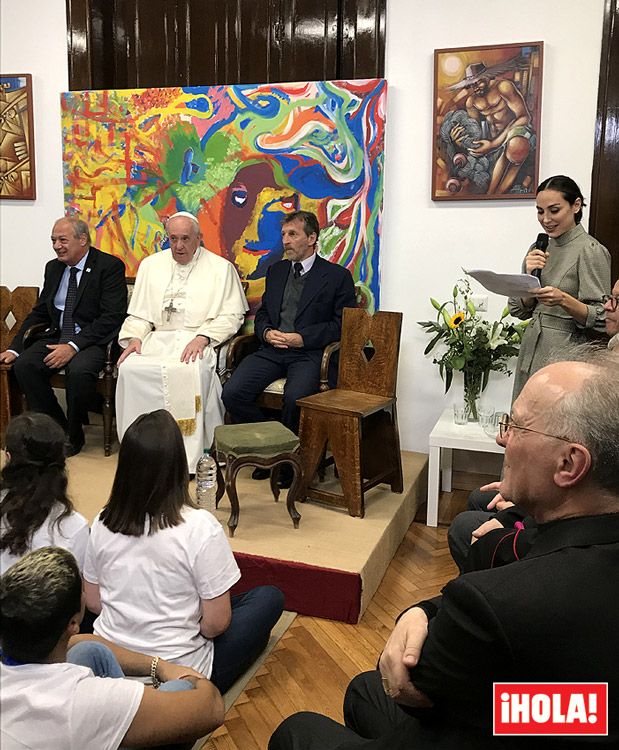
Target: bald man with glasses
<point>471,525</point>
<point>551,617</point>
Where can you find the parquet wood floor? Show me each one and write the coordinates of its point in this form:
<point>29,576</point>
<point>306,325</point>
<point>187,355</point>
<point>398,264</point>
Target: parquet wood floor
<point>315,660</point>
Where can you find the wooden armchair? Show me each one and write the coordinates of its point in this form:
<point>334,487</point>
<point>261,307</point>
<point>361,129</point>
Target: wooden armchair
<point>273,395</point>
<point>106,384</point>
<point>14,308</point>
<point>20,302</point>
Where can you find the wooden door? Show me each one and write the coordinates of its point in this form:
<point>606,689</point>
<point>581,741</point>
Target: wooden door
<point>604,217</point>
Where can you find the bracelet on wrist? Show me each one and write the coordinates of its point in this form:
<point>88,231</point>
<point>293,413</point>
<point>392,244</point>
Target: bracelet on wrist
<point>156,682</point>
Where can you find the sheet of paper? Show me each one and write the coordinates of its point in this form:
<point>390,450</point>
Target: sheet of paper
<point>507,284</point>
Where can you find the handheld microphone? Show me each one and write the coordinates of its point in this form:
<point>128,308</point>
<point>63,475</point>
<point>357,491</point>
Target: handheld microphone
<point>541,243</point>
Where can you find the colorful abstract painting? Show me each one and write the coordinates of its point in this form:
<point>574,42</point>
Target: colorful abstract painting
<point>239,158</point>
<point>17,180</point>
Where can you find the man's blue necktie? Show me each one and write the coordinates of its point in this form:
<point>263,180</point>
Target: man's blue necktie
<point>68,326</point>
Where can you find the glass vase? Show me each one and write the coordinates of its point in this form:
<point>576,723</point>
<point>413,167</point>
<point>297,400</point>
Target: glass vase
<point>472,391</point>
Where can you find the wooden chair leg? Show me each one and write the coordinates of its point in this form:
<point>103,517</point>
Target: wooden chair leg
<point>397,482</point>
<point>345,439</point>
<point>108,418</point>
<point>108,391</point>
<point>322,466</point>
<point>232,469</point>
<point>273,483</point>
<point>5,400</point>
<point>313,434</point>
<point>221,485</point>
<point>295,489</point>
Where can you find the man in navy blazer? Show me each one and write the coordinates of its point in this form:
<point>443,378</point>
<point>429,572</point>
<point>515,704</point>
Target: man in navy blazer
<point>301,313</point>
<point>97,308</point>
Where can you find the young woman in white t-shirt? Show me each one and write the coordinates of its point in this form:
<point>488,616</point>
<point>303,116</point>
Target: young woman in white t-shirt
<point>35,510</point>
<point>159,569</point>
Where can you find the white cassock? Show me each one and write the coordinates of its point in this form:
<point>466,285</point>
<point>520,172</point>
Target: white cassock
<point>170,305</point>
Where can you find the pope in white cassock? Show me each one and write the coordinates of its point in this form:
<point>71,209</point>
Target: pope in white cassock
<point>186,300</point>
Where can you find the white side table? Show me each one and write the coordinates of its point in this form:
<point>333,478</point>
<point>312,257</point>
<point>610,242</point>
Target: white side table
<point>446,436</point>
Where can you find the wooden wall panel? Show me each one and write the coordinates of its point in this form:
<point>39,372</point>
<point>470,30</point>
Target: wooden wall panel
<point>204,40</point>
<point>604,217</point>
<point>253,40</point>
<point>146,43</point>
<point>79,42</point>
<point>361,51</point>
<point>141,43</point>
<point>309,42</point>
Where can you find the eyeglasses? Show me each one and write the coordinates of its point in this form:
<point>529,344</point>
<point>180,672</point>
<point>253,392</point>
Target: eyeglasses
<point>506,423</point>
<point>613,299</point>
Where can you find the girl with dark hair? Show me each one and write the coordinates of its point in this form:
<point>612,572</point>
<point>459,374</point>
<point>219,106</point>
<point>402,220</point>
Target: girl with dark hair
<point>35,510</point>
<point>159,569</point>
<point>574,275</point>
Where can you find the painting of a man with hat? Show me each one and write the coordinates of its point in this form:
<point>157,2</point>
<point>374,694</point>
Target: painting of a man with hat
<point>487,131</point>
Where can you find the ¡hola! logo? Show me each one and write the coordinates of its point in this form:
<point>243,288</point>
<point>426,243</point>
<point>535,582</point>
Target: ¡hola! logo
<point>550,708</point>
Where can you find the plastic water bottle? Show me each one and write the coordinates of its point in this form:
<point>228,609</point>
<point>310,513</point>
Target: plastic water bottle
<point>206,481</point>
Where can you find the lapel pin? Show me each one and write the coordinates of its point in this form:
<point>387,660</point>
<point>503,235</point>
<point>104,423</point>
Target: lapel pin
<point>88,270</point>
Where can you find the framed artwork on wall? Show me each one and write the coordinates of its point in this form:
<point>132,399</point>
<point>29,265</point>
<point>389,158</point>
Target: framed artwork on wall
<point>17,176</point>
<point>239,158</point>
<point>486,123</point>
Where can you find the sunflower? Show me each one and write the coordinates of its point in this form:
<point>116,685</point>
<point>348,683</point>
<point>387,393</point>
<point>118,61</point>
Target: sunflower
<point>456,320</point>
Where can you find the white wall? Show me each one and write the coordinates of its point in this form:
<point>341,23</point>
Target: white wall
<point>33,39</point>
<point>424,243</point>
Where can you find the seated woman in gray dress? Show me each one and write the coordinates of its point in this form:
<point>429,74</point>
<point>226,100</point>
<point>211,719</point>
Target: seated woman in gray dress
<point>574,276</point>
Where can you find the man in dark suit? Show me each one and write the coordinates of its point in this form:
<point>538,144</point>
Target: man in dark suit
<point>83,304</point>
<point>301,313</point>
<point>551,617</point>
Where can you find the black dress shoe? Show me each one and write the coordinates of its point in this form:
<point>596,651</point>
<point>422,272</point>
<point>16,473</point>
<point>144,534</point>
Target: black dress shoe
<point>72,449</point>
<point>260,473</point>
<point>286,475</point>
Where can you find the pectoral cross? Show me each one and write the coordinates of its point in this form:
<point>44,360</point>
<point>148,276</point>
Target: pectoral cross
<point>169,310</point>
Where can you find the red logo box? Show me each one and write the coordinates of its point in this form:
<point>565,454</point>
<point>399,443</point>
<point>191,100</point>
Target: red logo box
<point>550,708</point>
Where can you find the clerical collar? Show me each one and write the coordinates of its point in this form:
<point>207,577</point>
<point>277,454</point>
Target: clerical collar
<point>307,264</point>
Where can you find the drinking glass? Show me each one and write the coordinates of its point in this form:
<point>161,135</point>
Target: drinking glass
<point>461,415</point>
<point>488,420</point>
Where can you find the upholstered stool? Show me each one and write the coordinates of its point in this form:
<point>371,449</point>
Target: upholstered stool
<point>264,444</point>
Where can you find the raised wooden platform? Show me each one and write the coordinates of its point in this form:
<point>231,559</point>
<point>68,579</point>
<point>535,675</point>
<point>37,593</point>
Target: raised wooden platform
<point>329,567</point>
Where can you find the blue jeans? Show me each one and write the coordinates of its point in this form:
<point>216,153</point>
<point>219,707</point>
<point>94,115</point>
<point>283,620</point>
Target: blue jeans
<point>98,657</point>
<point>254,614</point>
